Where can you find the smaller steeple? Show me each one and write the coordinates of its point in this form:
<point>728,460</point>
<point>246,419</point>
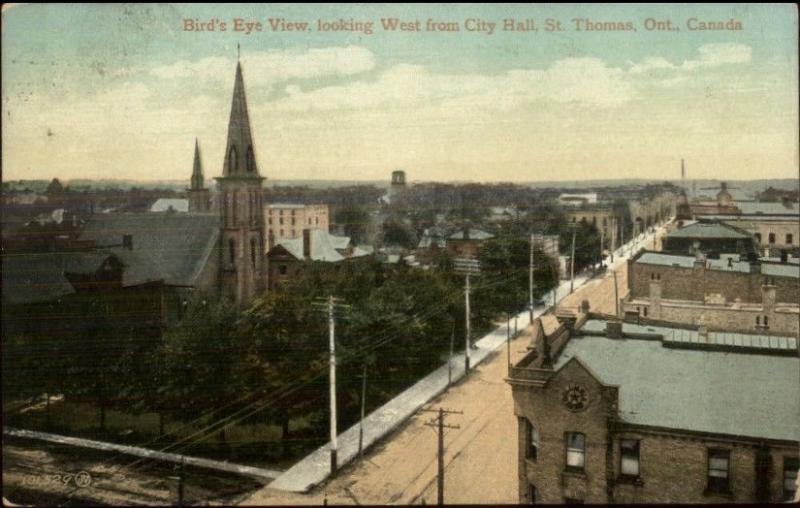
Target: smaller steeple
<point>198,182</point>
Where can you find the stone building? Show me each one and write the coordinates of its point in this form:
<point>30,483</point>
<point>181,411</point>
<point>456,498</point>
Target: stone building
<point>287,220</point>
<point>725,294</point>
<point>612,412</point>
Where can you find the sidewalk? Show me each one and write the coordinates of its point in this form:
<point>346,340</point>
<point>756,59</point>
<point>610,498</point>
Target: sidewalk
<point>315,467</point>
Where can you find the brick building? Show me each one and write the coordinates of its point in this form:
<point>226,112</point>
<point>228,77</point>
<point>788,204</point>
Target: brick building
<point>619,413</point>
<point>696,278</point>
<point>287,220</point>
<point>725,294</point>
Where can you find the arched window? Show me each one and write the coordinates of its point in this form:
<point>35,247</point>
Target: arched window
<point>231,251</point>
<point>758,320</point>
<point>766,321</point>
<point>253,252</point>
<point>233,160</point>
<point>251,160</point>
<point>772,238</point>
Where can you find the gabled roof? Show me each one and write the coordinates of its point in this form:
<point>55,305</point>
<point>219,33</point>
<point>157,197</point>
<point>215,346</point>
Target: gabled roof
<point>322,246</point>
<point>752,395</point>
<point>765,208</point>
<point>39,277</point>
<point>164,204</point>
<point>170,247</point>
<point>701,230</point>
<point>474,234</point>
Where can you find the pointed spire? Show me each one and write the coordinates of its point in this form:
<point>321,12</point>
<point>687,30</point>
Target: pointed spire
<point>198,182</point>
<point>240,157</point>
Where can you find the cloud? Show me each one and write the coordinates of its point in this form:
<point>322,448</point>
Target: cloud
<point>710,55</point>
<point>584,81</point>
<point>269,67</point>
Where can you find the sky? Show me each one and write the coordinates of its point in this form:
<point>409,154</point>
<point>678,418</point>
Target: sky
<point>122,91</point>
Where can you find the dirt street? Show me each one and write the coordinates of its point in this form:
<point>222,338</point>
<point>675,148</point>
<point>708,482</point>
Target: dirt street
<point>481,456</point>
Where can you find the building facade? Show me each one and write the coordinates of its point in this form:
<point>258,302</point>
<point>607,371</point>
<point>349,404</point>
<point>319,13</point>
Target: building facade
<point>287,220</point>
<point>597,424</point>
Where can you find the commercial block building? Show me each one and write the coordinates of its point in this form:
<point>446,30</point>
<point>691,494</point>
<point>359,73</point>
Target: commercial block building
<point>612,412</point>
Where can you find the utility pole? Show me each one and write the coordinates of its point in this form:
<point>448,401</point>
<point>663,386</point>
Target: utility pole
<point>466,267</point>
<point>440,425</point>
<point>508,340</point>
<point>572,262</point>
<point>602,237</point>
<point>363,404</point>
<point>530,280</point>
<point>330,305</point>
<point>332,345</point>
<point>450,358</point>
<point>616,294</point>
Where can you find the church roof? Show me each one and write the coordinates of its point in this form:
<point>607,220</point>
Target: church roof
<point>240,157</point>
<point>170,247</point>
<point>197,181</point>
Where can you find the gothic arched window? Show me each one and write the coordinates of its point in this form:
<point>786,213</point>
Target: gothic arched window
<point>251,160</point>
<point>233,160</point>
<point>253,252</point>
<point>232,251</point>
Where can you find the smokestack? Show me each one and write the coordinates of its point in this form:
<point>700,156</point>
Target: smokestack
<point>307,243</point>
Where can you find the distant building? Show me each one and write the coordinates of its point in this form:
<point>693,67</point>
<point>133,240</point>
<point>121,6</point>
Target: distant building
<point>170,205</point>
<point>288,256</point>
<point>199,196</point>
<point>612,412</point>
<point>727,294</point>
<point>287,220</point>
<point>589,198</point>
<point>712,238</point>
<point>467,242</point>
<point>398,184</point>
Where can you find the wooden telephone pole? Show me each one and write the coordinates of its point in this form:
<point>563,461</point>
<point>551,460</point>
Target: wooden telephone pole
<point>439,424</point>
<point>466,267</point>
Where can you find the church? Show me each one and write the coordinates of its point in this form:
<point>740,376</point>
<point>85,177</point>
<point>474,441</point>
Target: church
<point>218,248</point>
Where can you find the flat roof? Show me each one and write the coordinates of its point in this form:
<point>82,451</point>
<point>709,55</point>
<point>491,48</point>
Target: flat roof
<point>752,395</point>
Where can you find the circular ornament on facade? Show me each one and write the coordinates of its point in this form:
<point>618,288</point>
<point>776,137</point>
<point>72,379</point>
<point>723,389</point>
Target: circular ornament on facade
<point>575,397</point>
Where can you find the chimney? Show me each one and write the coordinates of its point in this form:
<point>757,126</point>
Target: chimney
<point>127,242</point>
<point>614,329</point>
<point>306,243</point>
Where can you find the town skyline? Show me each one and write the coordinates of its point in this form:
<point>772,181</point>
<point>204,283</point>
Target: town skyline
<point>519,109</point>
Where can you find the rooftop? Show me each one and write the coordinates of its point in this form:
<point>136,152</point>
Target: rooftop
<point>709,230</point>
<point>164,204</point>
<point>474,234</point>
<point>722,264</point>
<point>719,392</point>
<point>323,246</point>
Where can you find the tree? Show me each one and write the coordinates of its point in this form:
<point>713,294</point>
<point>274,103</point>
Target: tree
<point>395,232</point>
<point>354,220</point>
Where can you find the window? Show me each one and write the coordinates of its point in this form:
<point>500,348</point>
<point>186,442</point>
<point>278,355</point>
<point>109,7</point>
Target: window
<point>253,252</point>
<point>531,440</point>
<point>280,221</point>
<point>629,457</point>
<point>282,269</point>
<point>718,469</point>
<point>772,238</point>
<point>293,220</point>
<point>789,239</point>
<point>533,494</point>
<point>270,221</point>
<point>758,320</point>
<point>233,160</point>
<point>758,237</point>
<point>766,321</point>
<point>231,251</point>
<point>281,233</point>
<point>790,466</point>
<point>576,450</point>
<point>644,310</point>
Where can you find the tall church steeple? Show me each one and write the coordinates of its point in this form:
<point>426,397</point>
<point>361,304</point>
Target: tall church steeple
<point>198,181</point>
<point>240,159</point>
<point>242,263</point>
<point>199,196</point>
